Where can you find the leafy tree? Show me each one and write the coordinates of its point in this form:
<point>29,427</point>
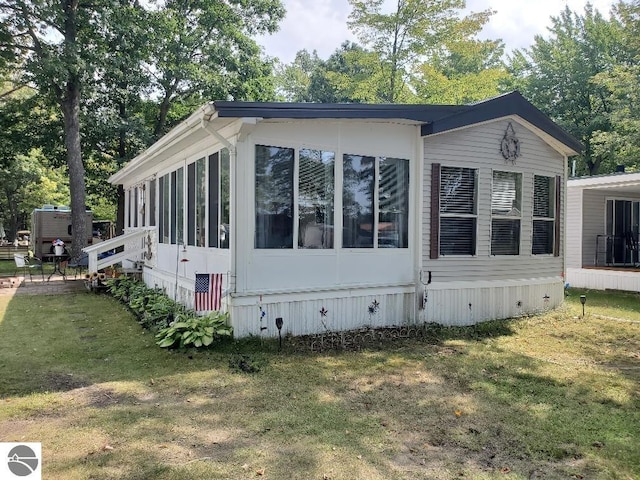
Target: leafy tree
<point>350,74</point>
<point>57,42</point>
<point>557,74</point>
<point>621,144</point>
<point>293,80</point>
<point>467,71</point>
<point>415,31</point>
<point>203,49</point>
<point>28,179</point>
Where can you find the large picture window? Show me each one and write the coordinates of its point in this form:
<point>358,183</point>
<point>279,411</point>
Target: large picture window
<point>506,211</point>
<point>316,194</point>
<point>357,201</point>
<point>544,208</point>
<point>375,202</point>
<point>458,210</point>
<point>274,197</point>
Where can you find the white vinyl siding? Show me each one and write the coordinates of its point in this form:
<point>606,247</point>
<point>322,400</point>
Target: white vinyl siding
<point>574,228</point>
<point>478,147</point>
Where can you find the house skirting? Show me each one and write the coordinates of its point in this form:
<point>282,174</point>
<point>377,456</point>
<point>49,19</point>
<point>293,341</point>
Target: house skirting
<point>348,308</point>
<point>468,303</point>
<point>306,313</point>
<point>605,279</point>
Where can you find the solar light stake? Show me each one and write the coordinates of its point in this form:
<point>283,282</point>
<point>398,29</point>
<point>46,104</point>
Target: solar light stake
<point>279,326</point>
<point>583,300</point>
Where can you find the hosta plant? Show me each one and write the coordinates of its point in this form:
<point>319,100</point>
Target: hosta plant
<point>190,330</point>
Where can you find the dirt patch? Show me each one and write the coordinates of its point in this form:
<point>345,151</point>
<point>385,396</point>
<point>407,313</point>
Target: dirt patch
<point>62,382</point>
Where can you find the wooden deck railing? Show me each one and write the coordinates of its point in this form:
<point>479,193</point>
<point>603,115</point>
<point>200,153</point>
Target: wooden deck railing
<point>135,245</point>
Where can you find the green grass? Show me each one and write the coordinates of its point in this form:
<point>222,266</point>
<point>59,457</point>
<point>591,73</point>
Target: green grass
<point>8,268</point>
<point>553,396</point>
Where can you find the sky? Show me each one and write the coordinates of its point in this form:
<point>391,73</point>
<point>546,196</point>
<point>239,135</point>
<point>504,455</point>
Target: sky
<point>321,25</point>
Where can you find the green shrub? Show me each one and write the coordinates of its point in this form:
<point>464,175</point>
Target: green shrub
<point>176,325</point>
<point>188,330</point>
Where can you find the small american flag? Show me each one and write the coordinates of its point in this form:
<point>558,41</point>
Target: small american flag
<point>208,291</point>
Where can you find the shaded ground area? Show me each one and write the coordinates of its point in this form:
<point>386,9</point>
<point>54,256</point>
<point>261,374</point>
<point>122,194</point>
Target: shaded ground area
<point>549,397</point>
<point>37,286</point>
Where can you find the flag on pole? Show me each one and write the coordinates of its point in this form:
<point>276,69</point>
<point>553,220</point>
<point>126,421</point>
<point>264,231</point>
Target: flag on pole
<point>208,291</point>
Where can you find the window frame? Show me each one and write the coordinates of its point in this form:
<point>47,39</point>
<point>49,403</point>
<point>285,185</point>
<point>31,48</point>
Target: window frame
<point>337,202</point>
<point>513,216</point>
<point>552,217</point>
<point>438,214</point>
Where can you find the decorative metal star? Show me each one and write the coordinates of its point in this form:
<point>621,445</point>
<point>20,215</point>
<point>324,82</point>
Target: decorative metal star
<point>323,312</point>
<point>373,308</point>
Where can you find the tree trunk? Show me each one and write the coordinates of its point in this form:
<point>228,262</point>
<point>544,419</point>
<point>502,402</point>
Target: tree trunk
<point>163,112</point>
<point>70,105</point>
<point>71,112</point>
<point>122,157</point>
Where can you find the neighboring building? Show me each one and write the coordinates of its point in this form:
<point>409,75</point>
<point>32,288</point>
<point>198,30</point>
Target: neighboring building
<point>603,215</point>
<point>337,216</point>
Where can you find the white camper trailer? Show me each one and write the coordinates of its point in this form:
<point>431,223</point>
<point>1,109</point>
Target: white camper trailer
<point>52,222</point>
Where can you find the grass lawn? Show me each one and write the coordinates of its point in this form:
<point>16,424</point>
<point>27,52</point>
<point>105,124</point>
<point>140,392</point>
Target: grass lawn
<point>546,397</point>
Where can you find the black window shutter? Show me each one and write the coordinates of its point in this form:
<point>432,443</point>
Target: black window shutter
<point>434,249</point>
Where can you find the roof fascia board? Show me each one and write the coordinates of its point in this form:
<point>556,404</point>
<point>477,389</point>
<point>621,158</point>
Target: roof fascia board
<point>358,111</point>
<point>172,137</point>
<point>606,181</point>
<point>511,104</point>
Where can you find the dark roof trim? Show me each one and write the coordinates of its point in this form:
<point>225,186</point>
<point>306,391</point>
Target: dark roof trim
<point>435,118</point>
<point>419,113</point>
<point>509,104</point>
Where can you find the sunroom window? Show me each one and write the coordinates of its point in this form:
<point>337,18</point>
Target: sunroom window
<point>316,194</point>
<point>458,210</point>
<point>274,197</point>
<point>543,215</point>
<point>506,208</point>
<point>375,202</point>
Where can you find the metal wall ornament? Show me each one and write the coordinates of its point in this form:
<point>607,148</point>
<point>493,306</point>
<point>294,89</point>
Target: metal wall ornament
<point>510,145</point>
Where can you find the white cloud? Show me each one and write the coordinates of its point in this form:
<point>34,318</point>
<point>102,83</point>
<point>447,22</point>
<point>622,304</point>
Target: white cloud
<point>322,24</point>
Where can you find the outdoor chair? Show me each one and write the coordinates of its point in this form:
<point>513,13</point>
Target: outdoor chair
<point>27,265</point>
<point>78,264</point>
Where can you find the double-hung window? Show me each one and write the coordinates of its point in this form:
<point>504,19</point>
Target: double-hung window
<point>458,195</point>
<point>506,208</point>
<point>544,211</point>
<point>375,202</point>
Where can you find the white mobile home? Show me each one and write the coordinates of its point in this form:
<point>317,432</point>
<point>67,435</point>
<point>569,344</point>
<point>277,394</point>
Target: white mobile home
<point>337,216</point>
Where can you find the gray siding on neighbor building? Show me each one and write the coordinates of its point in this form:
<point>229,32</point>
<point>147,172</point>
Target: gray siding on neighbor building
<point>594,220</point>
<point>574,228</point>
<point>479,147</point>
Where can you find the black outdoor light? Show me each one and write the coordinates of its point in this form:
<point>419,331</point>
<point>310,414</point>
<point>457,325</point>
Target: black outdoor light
<point>279,327</point>
<point>583,300</point>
